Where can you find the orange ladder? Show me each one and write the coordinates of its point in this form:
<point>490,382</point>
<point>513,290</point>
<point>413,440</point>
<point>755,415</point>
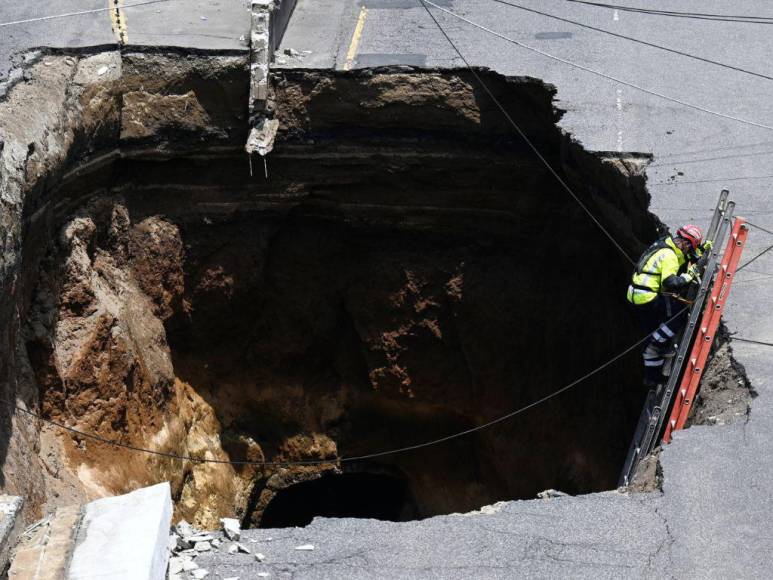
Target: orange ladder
<point>712,313</point>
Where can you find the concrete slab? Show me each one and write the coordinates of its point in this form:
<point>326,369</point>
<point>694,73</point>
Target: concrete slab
<point>124,537</point>
<point>10,526</point>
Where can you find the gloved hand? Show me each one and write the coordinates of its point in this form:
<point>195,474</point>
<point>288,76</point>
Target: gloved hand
<point>707,245</point>
<point>694,273</point>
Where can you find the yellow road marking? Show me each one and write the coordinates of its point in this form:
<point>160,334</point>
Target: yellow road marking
<point>356,38</point>
<point>118,20</point>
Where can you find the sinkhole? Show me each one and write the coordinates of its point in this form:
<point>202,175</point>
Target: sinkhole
<point>403,268</point>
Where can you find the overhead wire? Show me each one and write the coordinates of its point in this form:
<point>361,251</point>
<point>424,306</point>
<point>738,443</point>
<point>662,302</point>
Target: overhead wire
<point>456,435</point>
<point>636,40</point>
<point>749,262</point>
<point>767,231</point>
<point>749,340</point>
<point>762,253</point>
<point>678,14</point>
<point>600,73</point>
<point>79,13</point>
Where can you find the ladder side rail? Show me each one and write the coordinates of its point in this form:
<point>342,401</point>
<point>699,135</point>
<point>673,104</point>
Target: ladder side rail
<point>634,450</point>
<point>685,342</point>
<point>719,211</point>
<point>713,315</point>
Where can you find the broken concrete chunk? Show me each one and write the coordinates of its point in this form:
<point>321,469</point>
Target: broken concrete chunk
<point>184,529</point>
<point>216,543</point>
<point>201,573</point>
<point>231,528</point>
<point>263,574</point>
<point>175,565</point>
<point>292,52</point>
<point>262,137</point>
<point>242,548</point>
<point>305,547</point>
<point>202,547</point>
<point>232,549</point>
<point>260,557</point>
<point>551,493</point>
<point>172,543</point>
<point>189,565</point>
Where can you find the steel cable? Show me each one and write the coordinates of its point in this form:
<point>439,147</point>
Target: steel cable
<point>677,14</point>
<point>414,447</point>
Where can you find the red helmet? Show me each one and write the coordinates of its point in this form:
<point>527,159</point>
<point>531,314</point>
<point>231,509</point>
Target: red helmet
<point>692,234</point>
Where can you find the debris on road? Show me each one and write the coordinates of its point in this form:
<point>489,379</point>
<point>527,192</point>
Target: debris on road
<point>305,547</point>
<point>231,528</point>
<point>551,493</point>
<point>184,529</point>
<point>236,547</point>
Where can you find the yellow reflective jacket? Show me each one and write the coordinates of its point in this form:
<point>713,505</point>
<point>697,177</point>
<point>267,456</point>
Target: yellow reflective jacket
<point>661,261</point>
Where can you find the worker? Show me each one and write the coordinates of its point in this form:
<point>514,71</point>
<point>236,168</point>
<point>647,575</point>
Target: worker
<point>664,271</point>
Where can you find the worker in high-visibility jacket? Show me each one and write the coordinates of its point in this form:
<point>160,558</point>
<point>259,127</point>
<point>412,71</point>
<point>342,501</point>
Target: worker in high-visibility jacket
<point>664,271</point>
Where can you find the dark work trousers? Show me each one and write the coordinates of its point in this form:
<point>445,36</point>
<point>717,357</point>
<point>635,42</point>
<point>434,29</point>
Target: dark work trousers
<point>655,319</point>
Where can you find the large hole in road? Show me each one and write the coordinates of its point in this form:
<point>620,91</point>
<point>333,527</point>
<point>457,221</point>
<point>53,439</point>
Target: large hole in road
<point>408,269</point>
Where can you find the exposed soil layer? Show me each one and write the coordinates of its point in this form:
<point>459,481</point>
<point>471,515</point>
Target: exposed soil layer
<point>407,270</point>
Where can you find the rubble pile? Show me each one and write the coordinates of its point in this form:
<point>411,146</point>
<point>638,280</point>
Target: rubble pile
<point>186,543</point>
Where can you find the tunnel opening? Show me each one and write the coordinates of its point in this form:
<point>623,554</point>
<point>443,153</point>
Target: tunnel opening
<point>407,270</point>
<point>345,495</point>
